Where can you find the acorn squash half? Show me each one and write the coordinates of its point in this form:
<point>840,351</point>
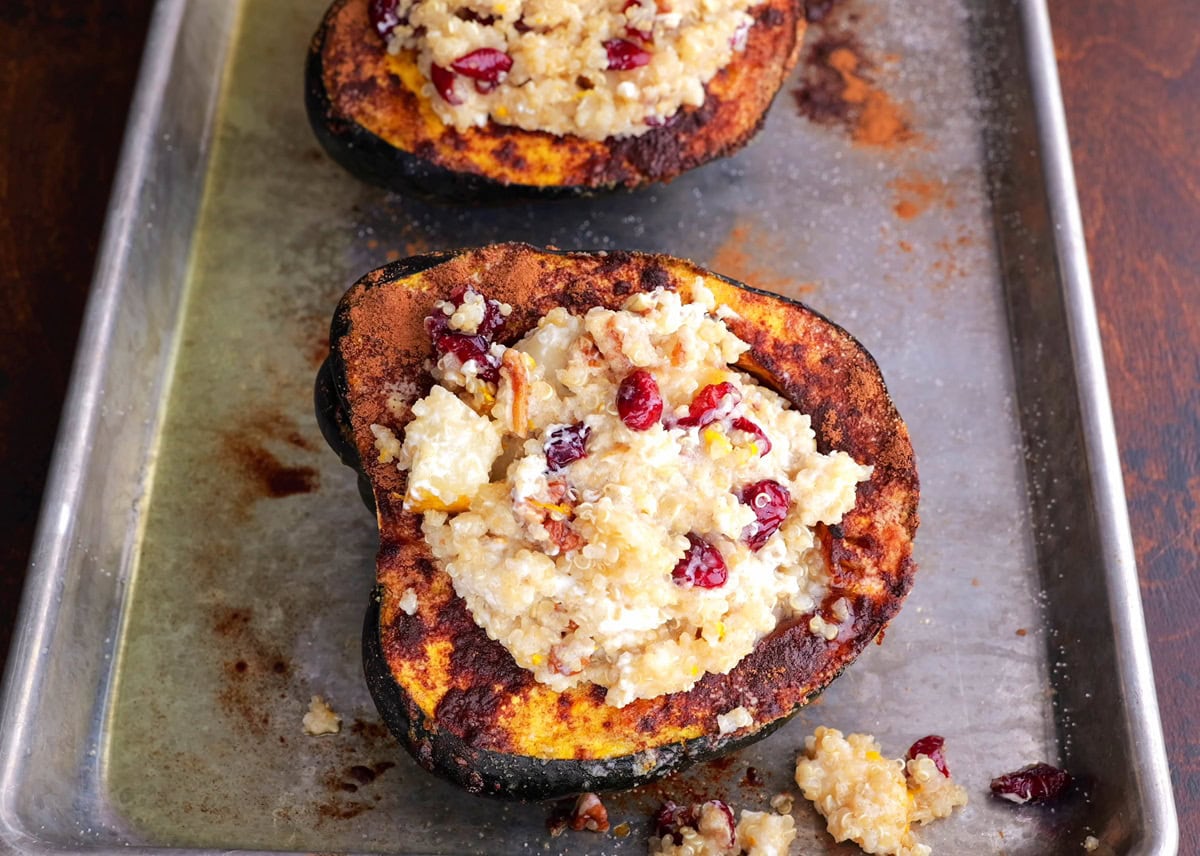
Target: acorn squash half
<point>367,111</point>
<point>457,699</point>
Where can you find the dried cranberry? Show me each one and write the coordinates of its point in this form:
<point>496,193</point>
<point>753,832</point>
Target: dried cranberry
<point>1035,783</point>
<point>486,66</point>
<point>646,36</point>
<point>384,16</point>
<point>744,424</point>
<point>702,565</point>
<point>729,821</point>
<point>639,403</point>
<point>566,445</point>
<point>770,502</point>
<point>492,321</point>
<point>931,746</point>
<point>468,348</point>
<point>706,406</point>
<point>443,82</point>
<point>624,55</point>
<point>671,818</point>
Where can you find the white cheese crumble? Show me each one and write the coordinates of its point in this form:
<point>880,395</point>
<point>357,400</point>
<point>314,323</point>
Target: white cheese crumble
<point>732,720</point>
<point>448,451</point>
<point>872,800</point>
<point>570,565</point>
<point>408,601</point>
<point>320,718</point>
<point>591,68</point>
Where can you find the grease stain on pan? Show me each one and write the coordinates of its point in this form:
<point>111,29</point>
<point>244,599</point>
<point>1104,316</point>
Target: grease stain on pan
<point>251,462</point>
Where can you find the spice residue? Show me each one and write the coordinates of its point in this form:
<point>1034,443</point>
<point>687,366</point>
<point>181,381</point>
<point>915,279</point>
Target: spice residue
<point>914,194</point>
<point>744,255</point>
<point>256,670</point>
<point>838,85</point>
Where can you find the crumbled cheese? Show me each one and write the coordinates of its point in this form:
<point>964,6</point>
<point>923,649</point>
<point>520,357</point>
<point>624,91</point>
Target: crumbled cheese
<point>869,799</point>
<point>560,81</point>
<point>732,720</point>
<point>321,718</point>
<point>571,569</point>
<point>408,602</point>
<point>448,450</point>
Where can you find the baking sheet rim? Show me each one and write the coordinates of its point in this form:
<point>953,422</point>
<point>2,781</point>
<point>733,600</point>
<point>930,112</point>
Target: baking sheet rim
<point>1161,833</point>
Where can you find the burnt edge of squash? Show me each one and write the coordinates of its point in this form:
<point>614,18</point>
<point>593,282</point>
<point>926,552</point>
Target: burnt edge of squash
<point>627,163</point>
<point>520,777</point>
<point>459,746</point>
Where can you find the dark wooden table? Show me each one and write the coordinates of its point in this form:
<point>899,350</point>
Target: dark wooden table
<point>1131,79</point>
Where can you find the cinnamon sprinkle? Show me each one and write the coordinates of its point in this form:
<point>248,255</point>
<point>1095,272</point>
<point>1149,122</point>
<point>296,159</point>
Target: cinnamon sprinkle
<point>916,193</point>
<point>838,88</point>
<point>744,255</point>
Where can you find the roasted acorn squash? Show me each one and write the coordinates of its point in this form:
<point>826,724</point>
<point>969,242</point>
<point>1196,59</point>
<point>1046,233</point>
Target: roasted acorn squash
<point>457,699</point>
<point>366,109</point>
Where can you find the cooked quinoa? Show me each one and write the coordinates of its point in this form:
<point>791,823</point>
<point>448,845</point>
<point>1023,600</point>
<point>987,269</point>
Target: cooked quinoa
<point>591,68</point>
<point>869,799</point>
<point>757,833</point>
<point>572,559</point>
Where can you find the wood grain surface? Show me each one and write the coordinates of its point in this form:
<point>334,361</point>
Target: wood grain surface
<point>1131,80</point>
<point>1130,74</point>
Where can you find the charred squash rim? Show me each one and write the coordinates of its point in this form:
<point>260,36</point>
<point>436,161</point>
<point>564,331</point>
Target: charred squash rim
<point>365,108</point>
<point>457,699</point>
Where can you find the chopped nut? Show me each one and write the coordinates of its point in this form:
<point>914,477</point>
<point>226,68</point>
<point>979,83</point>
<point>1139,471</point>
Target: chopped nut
<point>589,814</point>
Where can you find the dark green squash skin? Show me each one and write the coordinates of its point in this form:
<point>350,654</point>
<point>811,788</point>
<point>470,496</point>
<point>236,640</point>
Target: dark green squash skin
<point>437,749</point>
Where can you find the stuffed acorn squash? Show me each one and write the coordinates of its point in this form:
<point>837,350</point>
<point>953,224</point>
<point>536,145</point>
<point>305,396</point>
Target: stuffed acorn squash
<point>632,514</point>
<point>476,99</point>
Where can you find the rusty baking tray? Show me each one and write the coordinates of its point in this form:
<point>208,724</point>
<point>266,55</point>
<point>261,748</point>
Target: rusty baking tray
<point>203,561</point>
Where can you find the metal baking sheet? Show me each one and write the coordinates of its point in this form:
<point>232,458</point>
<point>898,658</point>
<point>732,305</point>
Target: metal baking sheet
<point>203,561</point>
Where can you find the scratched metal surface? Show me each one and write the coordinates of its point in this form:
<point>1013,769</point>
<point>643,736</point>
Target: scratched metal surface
<point>244,558</point>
